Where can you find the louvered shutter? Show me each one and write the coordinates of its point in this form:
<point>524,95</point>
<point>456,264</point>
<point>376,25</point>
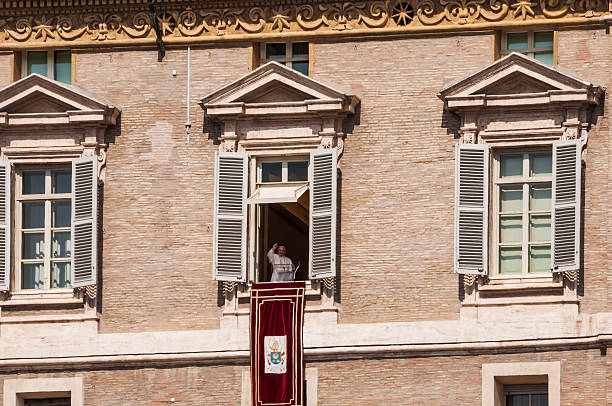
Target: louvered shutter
<point>5,225</point>
<point>229,253</point>
<point>323,179</point>
<point>471,209</point>
<point>565,240</point>
<point>84,221</point>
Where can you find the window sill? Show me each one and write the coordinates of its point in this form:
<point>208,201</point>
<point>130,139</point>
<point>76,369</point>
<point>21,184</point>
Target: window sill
<point>42,297</point>
<point>309,292</point>
<point>521,282</point>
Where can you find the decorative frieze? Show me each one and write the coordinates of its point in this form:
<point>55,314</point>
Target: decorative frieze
<point>105,24</point>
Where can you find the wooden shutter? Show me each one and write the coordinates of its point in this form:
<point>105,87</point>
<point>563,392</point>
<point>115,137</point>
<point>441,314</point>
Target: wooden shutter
<point>471,209</point>
<point>229,252</point>
<point>565,240</point>
<point>5,225</point>
<point>84,221</point>
<point>323,179</point>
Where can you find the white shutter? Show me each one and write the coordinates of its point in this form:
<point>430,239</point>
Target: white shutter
<point>5,225</point>
<point>565,240</point>
<point>323,179</point>
<point>471,208</point>
<point>84,221</point>
<point>229,252</point>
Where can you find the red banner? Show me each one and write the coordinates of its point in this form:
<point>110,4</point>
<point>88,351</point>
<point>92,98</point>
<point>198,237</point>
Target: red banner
<point>276,343</point>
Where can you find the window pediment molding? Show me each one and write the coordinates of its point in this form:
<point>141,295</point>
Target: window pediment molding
<point>518,99</point>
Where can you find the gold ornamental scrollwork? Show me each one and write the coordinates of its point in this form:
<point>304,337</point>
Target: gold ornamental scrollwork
<point>80,24</point>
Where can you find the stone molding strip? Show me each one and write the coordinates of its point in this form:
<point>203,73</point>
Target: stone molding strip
<point>106,22</point>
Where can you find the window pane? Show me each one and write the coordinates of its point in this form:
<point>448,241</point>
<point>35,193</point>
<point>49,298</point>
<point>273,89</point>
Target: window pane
<point>511,199</point>
<point>510,229</point>
<point>60,275</point>
<point>33,246</point>
<point>540,197</point>
<point>33,215</point>
<point>60,214</point>
<point>299,50</point>
<point>301,67</point>
<point>276,51</point>
<point>539,228</point>
<point>271,172</point>
<point>510,260</point>
<point>540,164</point>
<point>539,400</point>
<point>61,181</point>
<point>33,183</point>
<point>61,244</point>
<point>32,276</point>
<point>62,68</point>
<point>539,259</point>
<point>517,40</point>
<point>37,62</point>
<point>510,165</point>
<point>298,171</point>
<point>518,400</point>
<point>545,57</point>
<point>543,39</point>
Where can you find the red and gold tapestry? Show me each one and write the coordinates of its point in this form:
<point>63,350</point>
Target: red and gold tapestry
<point>276,343</point>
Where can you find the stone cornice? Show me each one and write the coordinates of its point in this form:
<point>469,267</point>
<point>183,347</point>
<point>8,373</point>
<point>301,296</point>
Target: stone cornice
<point>48,23</point>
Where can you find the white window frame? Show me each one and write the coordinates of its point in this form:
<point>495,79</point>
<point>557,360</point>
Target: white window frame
<point>531,49</point>
<point>285,168</point>
<point>48,197</point>
<point>495,203</point>
<point>494,376</point>
<point>16,390</point>
<point>288,59</point>
<point>50,61</point>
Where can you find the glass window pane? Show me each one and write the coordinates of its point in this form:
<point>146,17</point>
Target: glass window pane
<point>540,164</point>
<point>510,229</point>
<point>37,62</point>
<point>33,183</point>
<point>32,276</point>
<point>543,39</point>
<point>33,215</point>
<point>33,245</point>
<point>539,259</point>
<point>62,69</point>
<point>60,275</point>
<point>510,165</point>
<point>510,260</point>
<point>271,172</point>
<point>540,197</point>
<point>60,214</point>
<point>539,399</point>
<point>518,400</point>
<point>299,50</point>
<point>517,40</point>
<point>276,51</point>
<point>301,67</point>
<point>511,199</point>
<point>539,228</point>
<point>61,244</point>
<point>297,171</point>
<point>545,57</point>
<point>61,181</point>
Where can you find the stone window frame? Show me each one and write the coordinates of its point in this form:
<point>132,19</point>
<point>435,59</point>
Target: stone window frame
<point>495,375</point>
<point>16,390</point>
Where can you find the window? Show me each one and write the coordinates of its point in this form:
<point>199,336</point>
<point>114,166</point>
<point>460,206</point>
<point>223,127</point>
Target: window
<point>522,201</point>
<point>43,221</point>
<point>526,395</point>
<point>295,55</point>
<point>52,64</point>
<point>536,44</point>
<point>47,402</point>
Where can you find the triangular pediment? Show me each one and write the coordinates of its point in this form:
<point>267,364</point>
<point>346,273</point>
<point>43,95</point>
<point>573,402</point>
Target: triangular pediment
<point>38,94</point>
<point>273,83</point>
<point>512,75</point>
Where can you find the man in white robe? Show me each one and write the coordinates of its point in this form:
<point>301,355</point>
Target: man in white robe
<point>282,267</point>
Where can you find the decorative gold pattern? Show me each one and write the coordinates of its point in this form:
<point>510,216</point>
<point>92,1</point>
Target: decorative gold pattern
<point>77,24</point>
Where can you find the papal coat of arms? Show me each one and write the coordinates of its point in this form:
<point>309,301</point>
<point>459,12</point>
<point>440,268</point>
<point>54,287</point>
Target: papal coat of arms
<point>276,354</point>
